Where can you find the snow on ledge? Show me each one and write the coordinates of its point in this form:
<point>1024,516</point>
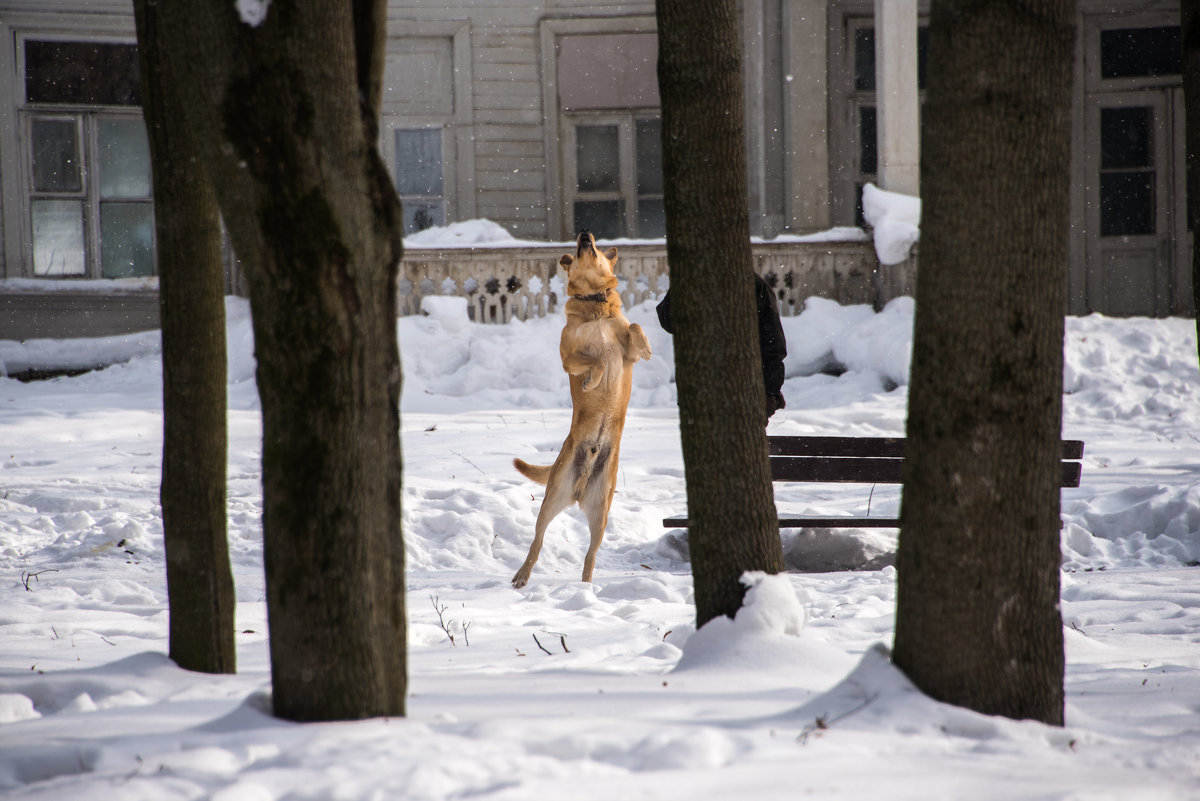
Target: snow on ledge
<point>896,219</point>
<point>104,286</point>
<point>483,233</point>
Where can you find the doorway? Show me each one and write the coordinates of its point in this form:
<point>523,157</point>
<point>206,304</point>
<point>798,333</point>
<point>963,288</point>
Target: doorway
<point>1136,241</point>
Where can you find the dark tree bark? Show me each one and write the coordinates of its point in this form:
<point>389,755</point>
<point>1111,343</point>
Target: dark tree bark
<point>1190,23</point>
<point>977,618</point>
<point>731,506</point>
<point>286,117</point>
<point>192,309</point>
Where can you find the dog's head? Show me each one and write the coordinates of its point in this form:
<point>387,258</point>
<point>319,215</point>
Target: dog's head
<point>589,271</point>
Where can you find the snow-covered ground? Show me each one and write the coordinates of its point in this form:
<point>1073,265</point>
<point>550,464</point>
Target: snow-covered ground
<point>603,691</point>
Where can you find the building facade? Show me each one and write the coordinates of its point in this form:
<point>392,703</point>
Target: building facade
<point>544,117</point>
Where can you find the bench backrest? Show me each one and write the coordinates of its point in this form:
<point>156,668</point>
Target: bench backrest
<point>868,460</point>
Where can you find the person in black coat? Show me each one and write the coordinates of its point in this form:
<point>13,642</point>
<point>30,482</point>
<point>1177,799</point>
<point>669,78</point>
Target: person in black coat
<point>771,343</point>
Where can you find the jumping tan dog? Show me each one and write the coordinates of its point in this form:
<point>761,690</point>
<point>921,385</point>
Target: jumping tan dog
<point>598,349</point>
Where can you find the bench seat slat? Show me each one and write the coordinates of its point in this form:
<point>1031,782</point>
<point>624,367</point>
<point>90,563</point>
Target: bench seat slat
<point>890,447</point>
<point>836,446</point>
<point>811,522</point>
<point>844,470</point>
<point>837,469</point>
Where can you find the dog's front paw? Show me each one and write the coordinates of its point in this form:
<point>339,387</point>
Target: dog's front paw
<point>638,346</point>
<point>522,577</point>
<point>593,377</point>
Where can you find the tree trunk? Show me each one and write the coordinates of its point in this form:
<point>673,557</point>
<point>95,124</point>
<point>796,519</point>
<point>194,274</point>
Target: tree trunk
<point>191,300</point>
<point>286,113</point>
<point>731,506</point>
<point>1190,23</point>
<point>977,617</point>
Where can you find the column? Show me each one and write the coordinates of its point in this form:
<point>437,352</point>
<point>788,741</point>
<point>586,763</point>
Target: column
<point>898,106</point>
<point>805,116</point>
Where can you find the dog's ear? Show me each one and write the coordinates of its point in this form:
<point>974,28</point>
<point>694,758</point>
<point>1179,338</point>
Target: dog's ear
<point>567,261</point>
<point>611,255</point>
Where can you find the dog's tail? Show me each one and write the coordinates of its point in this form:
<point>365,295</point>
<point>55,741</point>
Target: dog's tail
<point>534,472</point>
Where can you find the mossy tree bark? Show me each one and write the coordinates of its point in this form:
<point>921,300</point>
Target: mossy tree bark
<point>200,588</point>
<point>286,116</point>
<point>977,617</point>
<point>732,525</point>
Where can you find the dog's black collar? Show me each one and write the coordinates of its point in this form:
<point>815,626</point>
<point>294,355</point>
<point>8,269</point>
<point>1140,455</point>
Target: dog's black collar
<point>596,298</point>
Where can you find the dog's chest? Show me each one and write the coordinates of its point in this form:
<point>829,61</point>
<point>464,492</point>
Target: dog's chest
<point>589,336</point>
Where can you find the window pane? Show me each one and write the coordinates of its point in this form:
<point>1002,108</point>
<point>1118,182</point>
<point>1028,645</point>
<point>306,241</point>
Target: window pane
<point>124,159</point>
<point>419,215</point>
<point>58,237</point>
<point>126,239</point>
<point>1191,205</point>
<point>864,58</point>
<point>1127,203</point>
<point>56,156</point>
<point>922,55</point>
<point>91,73</point>
<point>868,141</point>
<point>1141,52</point>
<point>1125,137</point>
<point>649,157</point>
<point>419,161</point>
<point>652,220</point>
<point>596,158</point>
<point>601,217</point>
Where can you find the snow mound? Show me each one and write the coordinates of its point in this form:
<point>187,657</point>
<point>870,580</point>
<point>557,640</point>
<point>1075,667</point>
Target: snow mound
<point>830,550</point>
<point>876,696</point>
<point>15,707</point>
<point>73,354</point>
<point>764,632</point>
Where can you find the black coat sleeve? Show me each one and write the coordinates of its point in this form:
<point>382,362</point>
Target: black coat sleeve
<point>771,343</point>
<point>664,312</point>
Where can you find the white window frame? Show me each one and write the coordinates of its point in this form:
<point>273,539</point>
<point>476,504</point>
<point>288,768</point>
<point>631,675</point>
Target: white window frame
<point>627,192</point>
<point>397,124</point>
<point>560,153</point>
<point>456,123</point>
<point>87,118</point>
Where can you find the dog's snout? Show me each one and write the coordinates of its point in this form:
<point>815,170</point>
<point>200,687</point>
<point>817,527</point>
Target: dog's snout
<point>586,241</point>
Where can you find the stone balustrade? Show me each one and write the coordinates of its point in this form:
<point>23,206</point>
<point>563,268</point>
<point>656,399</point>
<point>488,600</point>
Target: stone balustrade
<point>501,283</point>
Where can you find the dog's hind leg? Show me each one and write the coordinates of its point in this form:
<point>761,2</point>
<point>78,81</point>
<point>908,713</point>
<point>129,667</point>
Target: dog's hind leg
<point>597,515</point>
<point>558,497</point>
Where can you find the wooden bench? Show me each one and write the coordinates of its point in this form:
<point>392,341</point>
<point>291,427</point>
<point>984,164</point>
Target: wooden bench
<point>858,460</point>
